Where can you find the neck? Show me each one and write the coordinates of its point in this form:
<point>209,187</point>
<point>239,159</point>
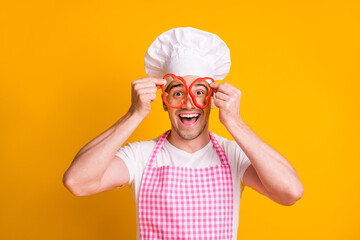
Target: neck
<point>189,146</point>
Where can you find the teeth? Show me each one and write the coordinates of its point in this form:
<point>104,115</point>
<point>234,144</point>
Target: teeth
<point>189,115</point>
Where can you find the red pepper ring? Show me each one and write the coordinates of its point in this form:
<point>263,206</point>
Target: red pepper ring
<point>165,93</point>
<point>193,97</point>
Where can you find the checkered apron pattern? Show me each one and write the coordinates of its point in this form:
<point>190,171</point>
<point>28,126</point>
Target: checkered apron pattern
<point>186,203</point>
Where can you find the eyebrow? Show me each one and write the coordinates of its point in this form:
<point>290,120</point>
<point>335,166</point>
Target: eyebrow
<point>175,85</point>
<point>200,84</point>
<point>179,85</point>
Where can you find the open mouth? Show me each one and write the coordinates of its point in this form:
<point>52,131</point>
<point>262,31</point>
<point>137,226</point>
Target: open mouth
<point>189,119</point>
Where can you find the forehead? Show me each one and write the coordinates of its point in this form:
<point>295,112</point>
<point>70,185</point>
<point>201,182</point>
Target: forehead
<point>188,79</point>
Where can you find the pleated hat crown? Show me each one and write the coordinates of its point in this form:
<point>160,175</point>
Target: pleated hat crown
<point>188,51</point>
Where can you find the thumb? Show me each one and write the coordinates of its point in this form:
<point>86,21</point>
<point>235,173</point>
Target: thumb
<point>160,82</point>
<point>215,86</point>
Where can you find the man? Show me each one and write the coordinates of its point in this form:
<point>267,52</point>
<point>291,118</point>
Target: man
<point>187,183</point>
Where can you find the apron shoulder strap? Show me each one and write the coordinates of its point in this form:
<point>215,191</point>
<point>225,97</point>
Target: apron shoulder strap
<point>219,150</point>
<point>157,147</point>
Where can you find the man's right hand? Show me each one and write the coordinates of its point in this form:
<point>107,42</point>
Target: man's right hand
<point>143,94</point>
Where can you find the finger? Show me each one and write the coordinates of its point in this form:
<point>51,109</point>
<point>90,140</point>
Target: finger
<point>222,87</point>
<point>139,86</point>
<point>157,81</point>
<point>226,88</point>
<point>215,86</point>
<point>147,90</point>
<point>150,97</point>
<point>229,89</point>
<point>222,96</point>
<point>149,81</point>
<point>147,98</point>
<point>220,103</point>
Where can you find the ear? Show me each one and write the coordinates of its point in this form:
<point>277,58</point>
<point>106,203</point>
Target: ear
<point>165,107</point>
<point>212,102</point>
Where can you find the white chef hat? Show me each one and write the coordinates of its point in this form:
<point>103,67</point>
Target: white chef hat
<point>188,51</point>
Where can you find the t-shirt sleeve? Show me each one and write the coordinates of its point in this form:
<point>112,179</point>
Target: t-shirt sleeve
<point>242,161</point>
<point>128,155</point>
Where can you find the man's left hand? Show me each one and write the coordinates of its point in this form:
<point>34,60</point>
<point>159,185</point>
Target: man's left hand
<point>227,99</point>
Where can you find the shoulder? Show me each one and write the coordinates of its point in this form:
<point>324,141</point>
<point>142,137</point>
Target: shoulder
<point>232,150</point>
<point>141,144</point>
<point>138,147</point>
<point>225,143</point>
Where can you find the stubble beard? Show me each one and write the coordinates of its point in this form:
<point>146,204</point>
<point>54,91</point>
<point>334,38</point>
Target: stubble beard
<point>185,134</point>
<point>191,133</point>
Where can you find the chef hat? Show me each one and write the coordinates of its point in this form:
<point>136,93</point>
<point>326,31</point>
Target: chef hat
<point>188,51</point>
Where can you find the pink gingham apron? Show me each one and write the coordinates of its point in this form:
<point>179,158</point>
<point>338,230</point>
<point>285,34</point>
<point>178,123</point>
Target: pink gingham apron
<point>186,203</point>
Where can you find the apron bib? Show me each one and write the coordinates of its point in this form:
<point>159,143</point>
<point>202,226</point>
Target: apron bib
<point>186,203</point>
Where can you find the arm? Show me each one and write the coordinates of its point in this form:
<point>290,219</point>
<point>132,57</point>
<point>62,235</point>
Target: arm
<point>95,167</point>
<point>270,173</point>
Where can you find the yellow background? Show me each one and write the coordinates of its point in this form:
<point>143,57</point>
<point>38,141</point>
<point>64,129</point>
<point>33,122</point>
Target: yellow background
<point>65,74</point>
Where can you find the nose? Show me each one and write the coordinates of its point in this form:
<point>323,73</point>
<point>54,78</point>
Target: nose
<point>188,104</point>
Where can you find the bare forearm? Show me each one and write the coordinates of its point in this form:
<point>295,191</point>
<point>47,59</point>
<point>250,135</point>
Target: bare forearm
<point>275,172</point>
<point>88,171</point>
<point>105,135</point>
<point>93,159</point>
<point>278,179</point>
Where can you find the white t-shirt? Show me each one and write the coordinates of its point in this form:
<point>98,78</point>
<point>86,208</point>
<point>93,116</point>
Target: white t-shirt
<point>136,155</point>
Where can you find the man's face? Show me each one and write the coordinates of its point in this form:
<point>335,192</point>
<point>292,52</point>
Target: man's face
<point>188,121</point>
